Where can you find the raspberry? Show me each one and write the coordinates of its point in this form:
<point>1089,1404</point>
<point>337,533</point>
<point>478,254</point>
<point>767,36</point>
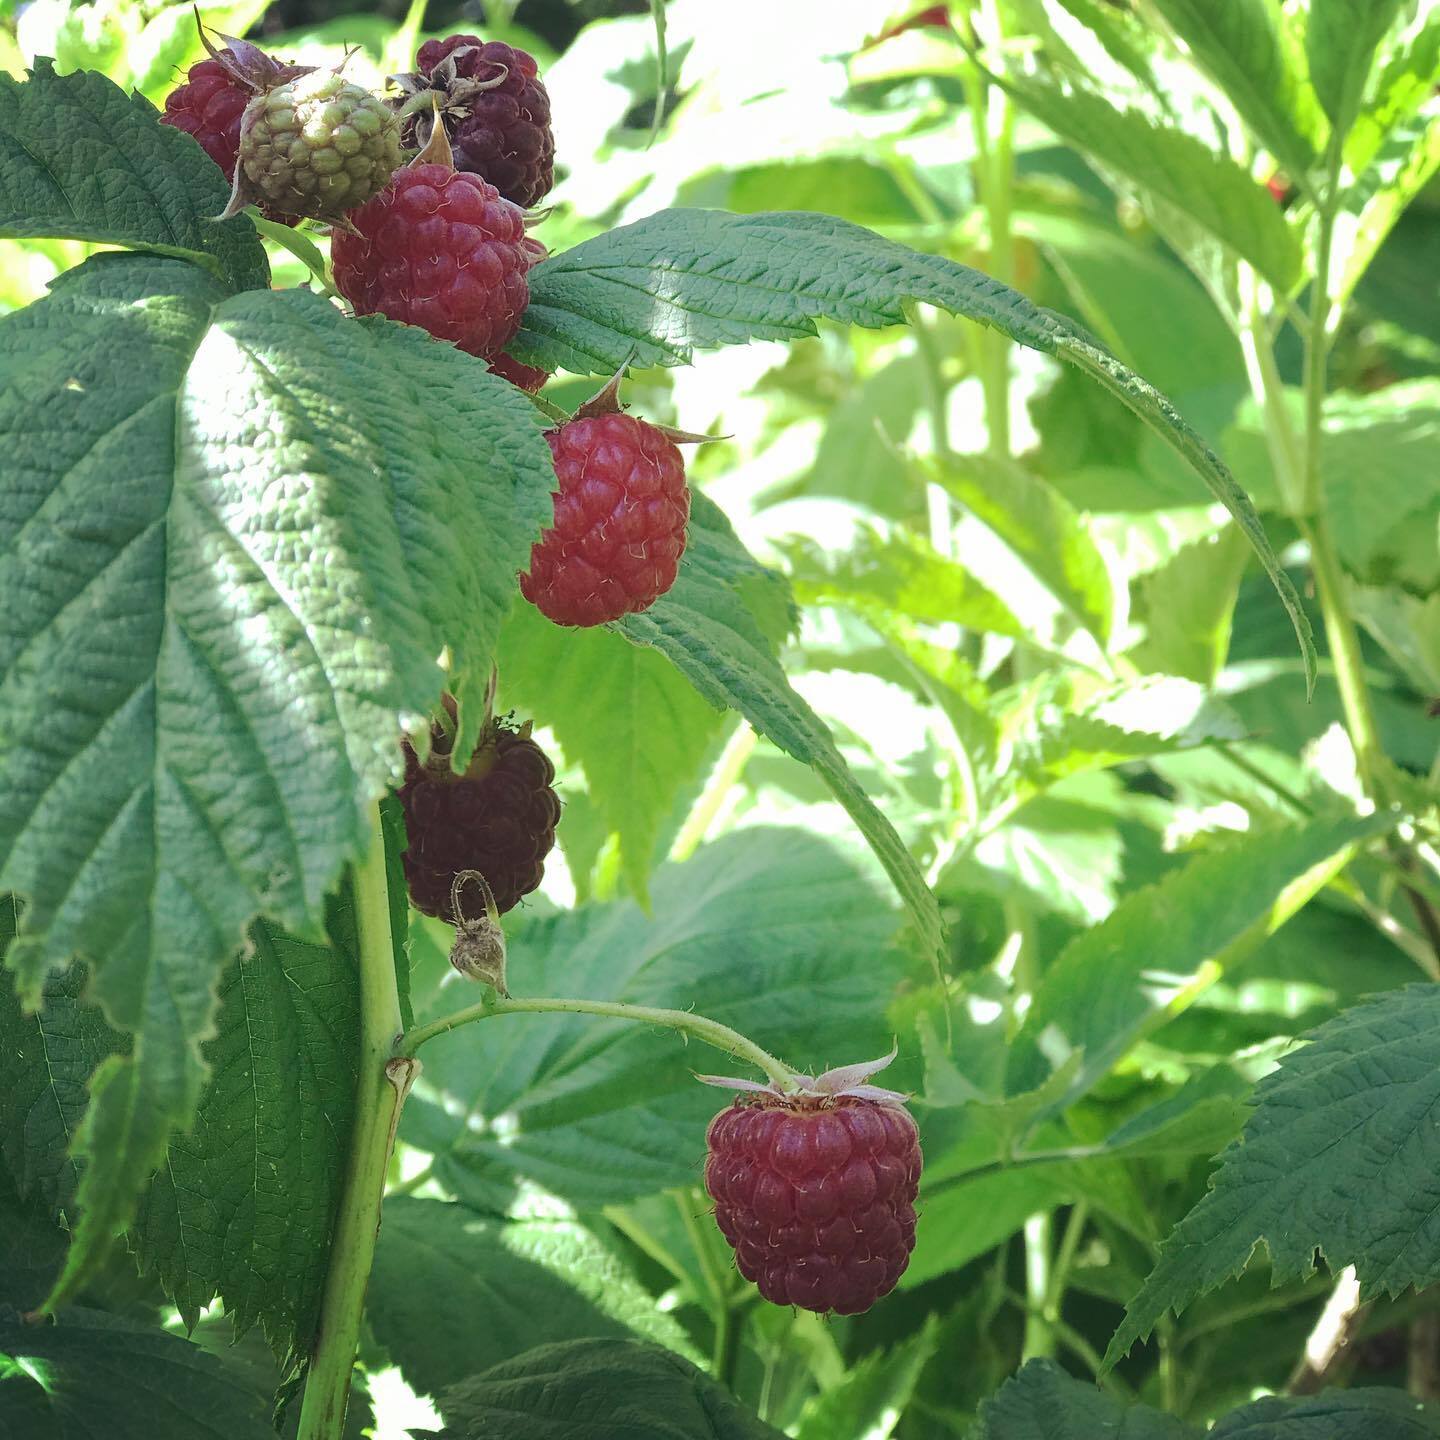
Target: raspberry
<point>209,106</point>
<point>815,1189</point>
<point>496,110</point>
<point>317,146</point>
<point>440,249</point>
<point>529,378</point>
<point>620,515</point>
<point>498,818</point>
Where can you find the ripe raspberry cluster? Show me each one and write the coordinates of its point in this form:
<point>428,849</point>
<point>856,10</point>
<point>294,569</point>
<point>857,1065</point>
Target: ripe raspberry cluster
<point>498,818</point>
<point>816,1194</point>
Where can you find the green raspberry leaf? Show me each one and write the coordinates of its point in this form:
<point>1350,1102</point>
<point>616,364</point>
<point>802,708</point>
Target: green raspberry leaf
<point>596,1389</point>
<point>1340,1156</point>
<point>1042,1402</point>
<point>454,1292</point>
<point>704,626</point>
<point>98,1374</point>
<point>81,160</point>
<point>679,281</point>
<point>243,1206</point>
<point>1333,1415</point>
<point>235,560</point>
<point>627,716</point>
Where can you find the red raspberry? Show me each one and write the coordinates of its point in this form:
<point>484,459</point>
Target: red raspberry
<point>498,818</point>
<point>620,516</point>
<point>440,249</point>
<point>529,378</point>
<point>815,1190</point>
<point>501,132</point>
<point>209,106</point>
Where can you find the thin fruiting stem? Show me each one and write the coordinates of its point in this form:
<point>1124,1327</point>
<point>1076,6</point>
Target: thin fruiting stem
<point>712,1032</point>
<point>380,1091</point>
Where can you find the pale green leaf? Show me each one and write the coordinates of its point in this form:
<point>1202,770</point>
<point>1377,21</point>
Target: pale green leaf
<point>1338,1156</point>
<point>81,160</point>
<point>1188,605</point>
<point>93,1374</point>
<point>1341,38</point>
<point>597,1390</point>
<point>244,1203</point>
<point>624,714</point>
<point>454,1292</point>
<point>654,292</point>
<point>868,1402</point>
<point>1117,982</point>
<point>280,515</point>
<point>1246,47</point>
<point>705,628</point>
<point>1404,85</point>
<point>1206,187</point>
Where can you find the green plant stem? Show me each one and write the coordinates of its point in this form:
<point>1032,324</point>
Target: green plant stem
<point>724,1351</point>
<point>379,1093</point>
<point>1039,1331</point>
<point>712,1032</point>
<point>724,778</point>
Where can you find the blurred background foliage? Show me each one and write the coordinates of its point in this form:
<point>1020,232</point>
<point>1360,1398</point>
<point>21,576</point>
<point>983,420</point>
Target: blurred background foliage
<point>1043,649</point>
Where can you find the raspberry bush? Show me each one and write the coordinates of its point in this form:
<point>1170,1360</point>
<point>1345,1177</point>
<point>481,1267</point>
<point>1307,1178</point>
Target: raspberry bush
<point>380,654</point>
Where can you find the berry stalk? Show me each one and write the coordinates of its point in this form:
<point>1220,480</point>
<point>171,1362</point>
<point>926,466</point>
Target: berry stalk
<point>712,1032</point>
<point>383,1083</point>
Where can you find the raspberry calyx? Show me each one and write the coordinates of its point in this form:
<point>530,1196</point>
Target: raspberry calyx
<point>494,106</point>
<point>814,1186</point>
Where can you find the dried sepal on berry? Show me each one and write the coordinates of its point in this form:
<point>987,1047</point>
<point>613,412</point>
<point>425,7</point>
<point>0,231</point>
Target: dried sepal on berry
<point>478,950</point>
<point>831,1085</point>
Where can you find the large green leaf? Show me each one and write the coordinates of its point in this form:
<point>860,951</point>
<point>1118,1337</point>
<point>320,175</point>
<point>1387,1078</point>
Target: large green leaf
<point>1042,1402</point>
<point>597,1390</point>
<point>1333,1415</point>
<point>81,160</point>
<point>869,1401</point>
<point>625,714</point>
<point>454,1293</point>
<point>243,1206</point>
<point>94,1374</point>
<point>1341,38</point>
<point>705,627</point>
<point>206,663</point>
<point>686,280</point>
<point>773,932</point>
<point>1162,945</point>
<point>1339,1156</point>
<point>46,1061</point>
<point>1247,48</point>
<point>1208,188</point>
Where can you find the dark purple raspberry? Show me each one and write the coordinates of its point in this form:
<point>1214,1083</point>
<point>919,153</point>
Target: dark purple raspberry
<point>621,508</point>
<point>209,106</point>
<point>816,1194</point>
<point>496,110</point>
<point>439,249</point>
<point>498,818</point>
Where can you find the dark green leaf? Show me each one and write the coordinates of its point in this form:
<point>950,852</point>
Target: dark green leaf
<point>773,932</point>
<point>91,1375</point>
<point>597,1390</point>
<point>454,1293</point>
<point>81,160</point>
<point>1042,1402</point>
<point>244,1204</point>
<point>1333,1415</point>
<point>46,1061</point>
<point>282,514</point>
<point>705,628</point>
<point>1338,1156</point>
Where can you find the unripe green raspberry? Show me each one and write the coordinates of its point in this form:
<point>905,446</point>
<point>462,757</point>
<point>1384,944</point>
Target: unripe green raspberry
<point>318,146</point>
